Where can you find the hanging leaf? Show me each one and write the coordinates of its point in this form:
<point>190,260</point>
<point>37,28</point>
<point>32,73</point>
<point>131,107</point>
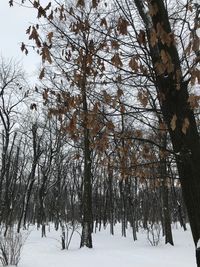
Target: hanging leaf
<point>36,4</point>
<point>116,61</point>
<point>119,92</point>
<point>72,123</point>
<point>110,126</point>
<point>193,100</point>
<point>107,98</point>
<point>28,30</point>
<point>115,44</point>
<point>122,26</point>
<point>164,56</point>
<point>189,7</point>
<point>165,37</point>
<point>122,108</point>
<point>196,44</point>
<point>104,23</point>
<point>50,36</point>
<point>11,3</point>
<point>162,128</point>
<point>48,6</point>
<point>173,122</point>
<point>153,38</point>
<point>141,38</point>
<point>35,36</point>
<point>138,134</point>
<point>133,64</point>
<point>41,12</point>
<point>45,94</point>
<point>195,76</point>
<point>46,54</point>
<point>50,17</point>
<point>167,61</point>
<point>185,125</point>
<point>24,49</point>
<point>143,98</point>
<point>153,9</point>
<point>95,3</point>
<point>160,68</point>
<point>188,48</point>
<point>80,3</point>
<point>71,11</point>
<point>41,76</point>
<point>33,106</point>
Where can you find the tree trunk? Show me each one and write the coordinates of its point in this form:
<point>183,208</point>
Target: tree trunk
<point>165,191</point>
<point>86,237</point>
<point>110,190</point>
<point>166,213</point>
<point>87,221</point>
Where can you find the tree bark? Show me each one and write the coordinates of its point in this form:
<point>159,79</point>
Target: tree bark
<point>86,237</point>
<point>87,221</point>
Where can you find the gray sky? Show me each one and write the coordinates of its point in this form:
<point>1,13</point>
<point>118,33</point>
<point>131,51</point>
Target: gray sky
<point>14,21</point>
<point>13,24</point>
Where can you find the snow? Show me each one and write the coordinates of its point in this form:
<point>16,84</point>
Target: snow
<point>108,250</point>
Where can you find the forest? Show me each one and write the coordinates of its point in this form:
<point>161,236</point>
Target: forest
<point>109,133</point>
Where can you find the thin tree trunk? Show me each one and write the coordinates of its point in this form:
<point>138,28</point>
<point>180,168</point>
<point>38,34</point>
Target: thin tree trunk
<point>86,237</point>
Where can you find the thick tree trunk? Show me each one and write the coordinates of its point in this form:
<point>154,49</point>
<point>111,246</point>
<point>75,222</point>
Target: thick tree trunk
<point>173,96</point>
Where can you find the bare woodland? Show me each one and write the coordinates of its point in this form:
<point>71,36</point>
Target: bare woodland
<point>110,132</point>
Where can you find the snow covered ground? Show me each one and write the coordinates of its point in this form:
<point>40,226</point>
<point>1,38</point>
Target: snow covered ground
<point>108,251</point>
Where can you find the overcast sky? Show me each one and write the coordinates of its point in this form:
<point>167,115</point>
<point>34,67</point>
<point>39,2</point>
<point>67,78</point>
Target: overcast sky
<point>14,21</point>
<point>13,24</point>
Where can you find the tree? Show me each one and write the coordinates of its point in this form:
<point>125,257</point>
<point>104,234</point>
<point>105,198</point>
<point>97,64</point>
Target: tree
<point>12,96</point>
<point>172,89</point>
<point>71,46</point>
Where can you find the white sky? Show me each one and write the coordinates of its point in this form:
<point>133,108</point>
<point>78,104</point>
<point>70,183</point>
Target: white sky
<point>13,24</point>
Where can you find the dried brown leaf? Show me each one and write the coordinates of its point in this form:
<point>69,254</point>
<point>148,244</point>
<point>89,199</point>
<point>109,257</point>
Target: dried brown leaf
<point>141,38</point>
<point>143,98</point>
<point>104,23</point>
<point>185,126</point>
<point>46,56</point>
<point>173,122</point>
<point>122,26</point>
<point>153,9</point>
<point>193,100</point>
<point>41,76</point>
<point>116,61</point>
<point>133,64</point>
<point>80,3</point>
<point>115,44</point>
<point>95,3</point>
<point>196,44</point>
<point>50,36</point>
<point>153,38</point>
<point>119,92</point>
